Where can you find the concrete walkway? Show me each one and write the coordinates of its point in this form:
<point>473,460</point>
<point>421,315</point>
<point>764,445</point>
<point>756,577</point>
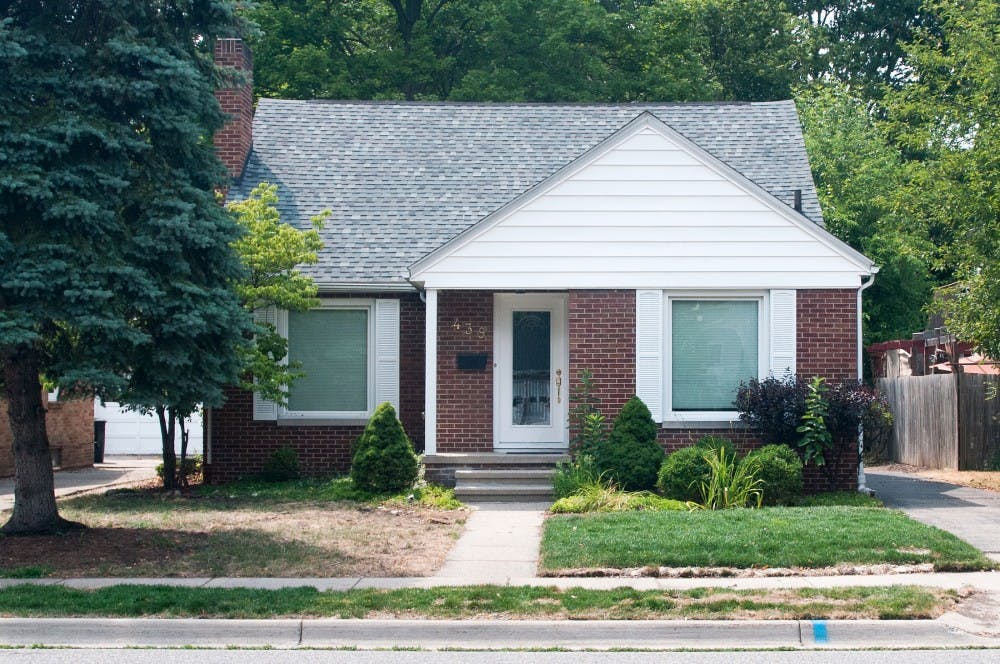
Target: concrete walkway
<point>971,514</point>
<point>500,543</point>
<point>115,471</point>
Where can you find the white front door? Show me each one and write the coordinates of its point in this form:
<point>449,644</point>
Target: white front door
<point>531,381</point>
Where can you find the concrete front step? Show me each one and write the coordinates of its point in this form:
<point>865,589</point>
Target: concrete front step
<point>504,491</point>
<point>542,474</point>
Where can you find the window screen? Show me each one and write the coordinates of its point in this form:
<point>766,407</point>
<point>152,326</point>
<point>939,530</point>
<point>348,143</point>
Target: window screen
<point>713,348</point>
<point>332,347</point>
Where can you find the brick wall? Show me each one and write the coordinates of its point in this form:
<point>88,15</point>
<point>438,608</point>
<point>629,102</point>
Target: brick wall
<point>465,398</point>
<point>70,427</point>
<point>240,445</point>
<point>602,339</point>
<point>233,141</point>
<point>827,334</point>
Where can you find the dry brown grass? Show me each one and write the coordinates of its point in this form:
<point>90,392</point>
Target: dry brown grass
<point>189,537</point>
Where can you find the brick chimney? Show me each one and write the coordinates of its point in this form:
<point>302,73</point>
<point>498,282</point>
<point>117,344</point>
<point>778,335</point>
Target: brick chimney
<point>233,141</point>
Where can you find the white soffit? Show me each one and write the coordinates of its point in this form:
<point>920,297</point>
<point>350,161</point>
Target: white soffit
<point>646,208</point>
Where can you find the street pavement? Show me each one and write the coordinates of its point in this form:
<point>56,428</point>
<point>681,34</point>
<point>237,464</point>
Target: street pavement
<point>115,471</point>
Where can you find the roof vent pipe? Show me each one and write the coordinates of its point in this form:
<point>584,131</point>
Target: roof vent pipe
<point>797,198</point>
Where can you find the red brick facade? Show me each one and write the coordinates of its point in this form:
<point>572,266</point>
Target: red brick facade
<point>232,142</point>
<point>602,339</point>
<point>465,398</point>
<point>70,427</point>
<point>601,328</point>
<point>240,445</point>
<point>827,334</point>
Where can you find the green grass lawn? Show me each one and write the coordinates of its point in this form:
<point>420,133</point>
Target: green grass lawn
<point>769,537</point>
<point>896,602</point>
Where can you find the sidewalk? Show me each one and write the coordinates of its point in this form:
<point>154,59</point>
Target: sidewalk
<point>115,471</point>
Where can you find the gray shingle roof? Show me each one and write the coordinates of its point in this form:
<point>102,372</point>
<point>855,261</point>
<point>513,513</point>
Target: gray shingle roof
<point>403,178</point>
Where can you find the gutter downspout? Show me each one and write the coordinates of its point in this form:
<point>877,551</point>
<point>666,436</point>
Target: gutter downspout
<point>861,373</point>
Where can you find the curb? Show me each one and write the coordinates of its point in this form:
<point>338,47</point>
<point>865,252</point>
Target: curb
<point>487,634</point>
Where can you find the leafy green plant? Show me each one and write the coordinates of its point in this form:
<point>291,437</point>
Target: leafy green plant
<point>731,483</point>
<point>191,468</point>
<point>631,456</point>
<point>603,496</point>
<point>683,471</point>
<point>816,439</point>
<point>282,465</point>
<point>384,460</point>
<point>571,476</point>
<point>780,473</point>
<point>587,424</point>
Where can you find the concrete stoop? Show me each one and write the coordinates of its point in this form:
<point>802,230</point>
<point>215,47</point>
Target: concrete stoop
<point>504,485</point>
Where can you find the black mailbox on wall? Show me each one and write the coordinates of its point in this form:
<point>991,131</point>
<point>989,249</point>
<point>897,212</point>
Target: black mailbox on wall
<point>470,361</point>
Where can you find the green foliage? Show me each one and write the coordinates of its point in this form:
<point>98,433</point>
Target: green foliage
<point>840,499</point>
<point>816,440</point>
<point>730,483</point>
<point>587,425</point>
<point>597,497</point>
<point>191,468</point>
<point>631,456</point>
<point>384,461</point>
<point>281,465</point>
<point>858,190</point>
<point>570,476</point>
<point>780,473</point>
<point>683,471</point>
<point>271,253</point>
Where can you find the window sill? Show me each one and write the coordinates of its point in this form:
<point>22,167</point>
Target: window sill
<point>320,422</point>
<point>703,424</point>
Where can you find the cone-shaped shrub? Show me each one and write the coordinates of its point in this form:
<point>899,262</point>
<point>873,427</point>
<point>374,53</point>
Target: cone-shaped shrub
<point>631,457</point>
<point>384,461</point>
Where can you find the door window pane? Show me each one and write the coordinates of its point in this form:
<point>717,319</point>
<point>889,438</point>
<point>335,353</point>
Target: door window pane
<point>713,348</point>
<point>332,347</point>
<point>532,367</point>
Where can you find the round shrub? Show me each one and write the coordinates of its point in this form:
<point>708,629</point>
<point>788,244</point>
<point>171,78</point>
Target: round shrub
<point>683,471</point>
<point>281,466</point>
<point>384,461</point>
<point>631,456</point>
<point>781,471</point>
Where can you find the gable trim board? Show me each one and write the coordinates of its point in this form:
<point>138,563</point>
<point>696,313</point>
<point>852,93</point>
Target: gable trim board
<point>684,219</point>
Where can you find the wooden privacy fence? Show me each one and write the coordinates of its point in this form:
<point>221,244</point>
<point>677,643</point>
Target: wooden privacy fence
<point>941,421</point>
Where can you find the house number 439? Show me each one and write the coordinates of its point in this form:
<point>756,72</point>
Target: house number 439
<point>468,330</point>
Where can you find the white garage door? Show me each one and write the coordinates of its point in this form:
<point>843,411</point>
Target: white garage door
<point>128,432</point>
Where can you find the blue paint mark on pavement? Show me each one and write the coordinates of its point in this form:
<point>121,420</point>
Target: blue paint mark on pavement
<point>819,631</point>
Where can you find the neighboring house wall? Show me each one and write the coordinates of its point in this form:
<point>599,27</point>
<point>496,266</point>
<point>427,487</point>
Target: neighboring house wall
<point>131,432</point>
<point>70,428</point>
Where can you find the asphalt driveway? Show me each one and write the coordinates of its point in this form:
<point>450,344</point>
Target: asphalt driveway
<point>116,470</point>
<point>971,514</point>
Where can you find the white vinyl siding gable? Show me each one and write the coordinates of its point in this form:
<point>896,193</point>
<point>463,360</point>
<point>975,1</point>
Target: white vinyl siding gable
<point>645,211</point>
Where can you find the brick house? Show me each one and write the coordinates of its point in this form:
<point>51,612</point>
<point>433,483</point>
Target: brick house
<point>70,427</point>
<point>479,256</point>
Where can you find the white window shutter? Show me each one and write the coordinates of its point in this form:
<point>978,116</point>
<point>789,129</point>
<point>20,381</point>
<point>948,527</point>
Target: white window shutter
<point>783,332</point>
<point>262,408</point>
<point>649,350</point>
<point>387,352</point>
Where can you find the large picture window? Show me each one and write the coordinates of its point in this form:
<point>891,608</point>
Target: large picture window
<point>332,345</point>
<point>713,344</point>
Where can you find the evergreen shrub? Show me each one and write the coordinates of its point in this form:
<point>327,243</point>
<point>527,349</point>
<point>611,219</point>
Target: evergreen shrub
<point>631,456</point>
<point>281,466</point>
<point>384,461</point>
<point>781,472</point>
<point>684,471</point>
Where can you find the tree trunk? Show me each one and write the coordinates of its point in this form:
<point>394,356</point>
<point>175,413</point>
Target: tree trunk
<point>169,456</point>
<point>183,475</point>
<point>35,509</point>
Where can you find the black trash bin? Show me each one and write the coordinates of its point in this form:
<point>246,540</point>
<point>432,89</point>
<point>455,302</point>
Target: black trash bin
<point>99,441</point>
